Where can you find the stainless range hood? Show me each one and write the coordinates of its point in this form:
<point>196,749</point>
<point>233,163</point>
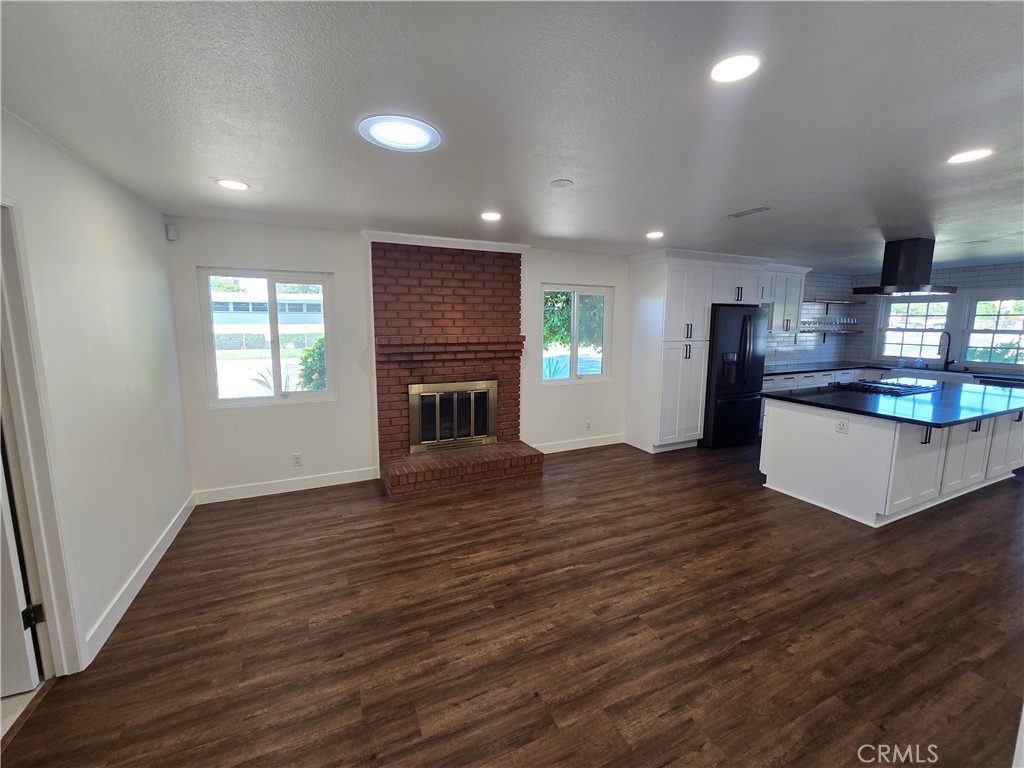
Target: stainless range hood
<point>907,270</point>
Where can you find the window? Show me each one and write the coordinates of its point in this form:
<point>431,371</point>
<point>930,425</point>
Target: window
<point>255,354</point>
<point>575,329</point>
<point>912,329</point>
<point>996,332</point>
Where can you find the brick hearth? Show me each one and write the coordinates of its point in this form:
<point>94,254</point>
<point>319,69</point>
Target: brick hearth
<point>443,315</point>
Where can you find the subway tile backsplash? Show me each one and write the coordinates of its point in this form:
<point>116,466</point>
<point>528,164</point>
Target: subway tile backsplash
<point>788,348</point>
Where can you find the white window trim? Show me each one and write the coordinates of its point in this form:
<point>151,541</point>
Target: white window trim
<point>606,357</point>
<point>324,279</point>
<point>970,308</point>
<point>959,317</point>
<point>883,313</point>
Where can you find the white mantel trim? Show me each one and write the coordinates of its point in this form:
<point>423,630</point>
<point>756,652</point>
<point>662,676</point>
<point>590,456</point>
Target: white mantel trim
<point>444,242</point>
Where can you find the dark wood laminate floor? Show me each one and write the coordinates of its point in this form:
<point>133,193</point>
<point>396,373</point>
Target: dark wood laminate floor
<point>626,610</point>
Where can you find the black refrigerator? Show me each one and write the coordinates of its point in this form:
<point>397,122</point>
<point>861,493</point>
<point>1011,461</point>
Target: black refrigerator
<point>732,410</point>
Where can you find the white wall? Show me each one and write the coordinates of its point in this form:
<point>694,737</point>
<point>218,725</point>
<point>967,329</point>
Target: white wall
<point>553,416</point>
<point>95,262</point>
<point>241,451</point>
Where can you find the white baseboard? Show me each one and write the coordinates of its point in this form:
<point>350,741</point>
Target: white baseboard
<point>233,492</point>
<point>575,445</point>
<point>100,631</point>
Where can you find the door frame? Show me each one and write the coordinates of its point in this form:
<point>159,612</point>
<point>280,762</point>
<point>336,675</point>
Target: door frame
<point>19,336</point>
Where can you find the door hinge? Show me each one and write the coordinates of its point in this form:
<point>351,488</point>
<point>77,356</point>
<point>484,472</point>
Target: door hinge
<point>33,615</point>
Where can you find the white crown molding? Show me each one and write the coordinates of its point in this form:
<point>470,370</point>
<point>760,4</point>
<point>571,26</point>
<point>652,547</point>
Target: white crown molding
<point>443,242</point>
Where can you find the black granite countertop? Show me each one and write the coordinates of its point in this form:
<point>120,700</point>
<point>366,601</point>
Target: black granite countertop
<point>950,404</point>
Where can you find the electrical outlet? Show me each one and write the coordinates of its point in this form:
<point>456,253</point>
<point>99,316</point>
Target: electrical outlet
<point>296,459</point>
<point>843,426</point>
<point>586,425</point>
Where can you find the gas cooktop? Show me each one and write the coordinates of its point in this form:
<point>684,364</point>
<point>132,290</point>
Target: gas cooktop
<point>895,387</point>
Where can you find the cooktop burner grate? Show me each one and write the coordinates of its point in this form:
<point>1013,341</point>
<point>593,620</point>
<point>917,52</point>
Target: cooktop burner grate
<point>887,387</point>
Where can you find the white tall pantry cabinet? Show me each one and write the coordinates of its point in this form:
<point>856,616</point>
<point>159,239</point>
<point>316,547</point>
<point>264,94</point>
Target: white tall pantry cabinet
<point>670,298</point>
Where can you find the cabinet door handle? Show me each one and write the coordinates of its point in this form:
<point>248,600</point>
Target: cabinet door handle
<point>739,294</point>
<point>927,436</point>
<point>785,324</point>
<point>977,426</point>
<point>1020,417</point>
<point>689,330</point>
<point>762,291</point>
<point>686,356</point>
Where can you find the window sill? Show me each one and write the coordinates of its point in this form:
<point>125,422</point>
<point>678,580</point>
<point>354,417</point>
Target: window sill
<point>247,402</point>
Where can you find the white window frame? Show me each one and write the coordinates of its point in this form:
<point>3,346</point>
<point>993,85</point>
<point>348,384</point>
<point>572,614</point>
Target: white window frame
<point>323,279</point>
<point>959,321</point>
<point>972,301</point>
<point>884,306</point>
<point>588,290</point>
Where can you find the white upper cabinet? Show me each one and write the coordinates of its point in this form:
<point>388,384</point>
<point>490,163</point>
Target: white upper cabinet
<point>766,287</point>
<point>788,296</point>
<point>688,303</point>
<point>736,285</point>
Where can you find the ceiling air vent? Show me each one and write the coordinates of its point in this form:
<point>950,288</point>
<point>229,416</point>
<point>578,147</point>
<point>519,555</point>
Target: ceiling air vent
<point>749,212</point>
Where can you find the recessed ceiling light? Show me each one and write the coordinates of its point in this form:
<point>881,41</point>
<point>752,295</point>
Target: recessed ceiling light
<point>238,186</point>
<point>970,156</point>
<point>655,235</point>
<point>490,215</point>
<point>561,183</point>
<point>402,134</point>
<point>735,68</point>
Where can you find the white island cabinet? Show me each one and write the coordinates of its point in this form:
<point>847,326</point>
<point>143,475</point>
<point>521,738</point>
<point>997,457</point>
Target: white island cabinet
<point>877,458</point>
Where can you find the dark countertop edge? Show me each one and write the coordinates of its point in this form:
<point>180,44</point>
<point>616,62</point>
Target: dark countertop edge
<point>786,396</point>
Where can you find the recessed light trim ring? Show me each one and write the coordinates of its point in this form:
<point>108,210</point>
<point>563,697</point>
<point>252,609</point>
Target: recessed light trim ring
<point>734,68</point>
<point>400,134</point>
<point>970,156</point>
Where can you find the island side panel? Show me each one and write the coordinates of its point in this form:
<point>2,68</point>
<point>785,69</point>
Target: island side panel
<point>804,456</point>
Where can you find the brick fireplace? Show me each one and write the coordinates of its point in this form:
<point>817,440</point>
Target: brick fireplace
<point>441,316</point>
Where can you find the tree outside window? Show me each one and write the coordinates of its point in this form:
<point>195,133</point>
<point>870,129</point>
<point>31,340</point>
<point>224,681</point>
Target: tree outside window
<point>575,322</point>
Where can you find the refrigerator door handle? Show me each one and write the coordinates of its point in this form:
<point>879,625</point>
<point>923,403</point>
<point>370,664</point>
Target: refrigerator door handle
<point>746,346</point>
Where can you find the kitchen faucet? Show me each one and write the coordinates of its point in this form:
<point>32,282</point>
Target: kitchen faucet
<point>946,363</point>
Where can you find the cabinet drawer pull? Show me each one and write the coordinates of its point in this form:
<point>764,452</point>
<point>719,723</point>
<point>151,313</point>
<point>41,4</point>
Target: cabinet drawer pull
<point>927,436</point>
<point>977,426</point>
<point>1020,417</point>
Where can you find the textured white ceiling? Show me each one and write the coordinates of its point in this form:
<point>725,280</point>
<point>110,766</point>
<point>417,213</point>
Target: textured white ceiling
<point>844,132</point>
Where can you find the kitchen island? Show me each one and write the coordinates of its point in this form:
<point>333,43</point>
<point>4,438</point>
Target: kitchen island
<point>876,458</point>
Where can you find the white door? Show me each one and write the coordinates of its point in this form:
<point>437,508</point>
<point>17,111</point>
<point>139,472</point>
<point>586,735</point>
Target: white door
<point>18,669</point>
<point>1007,452</point>
<point>966,455</point>
<point>917,466</point>
<point>688,303</point>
